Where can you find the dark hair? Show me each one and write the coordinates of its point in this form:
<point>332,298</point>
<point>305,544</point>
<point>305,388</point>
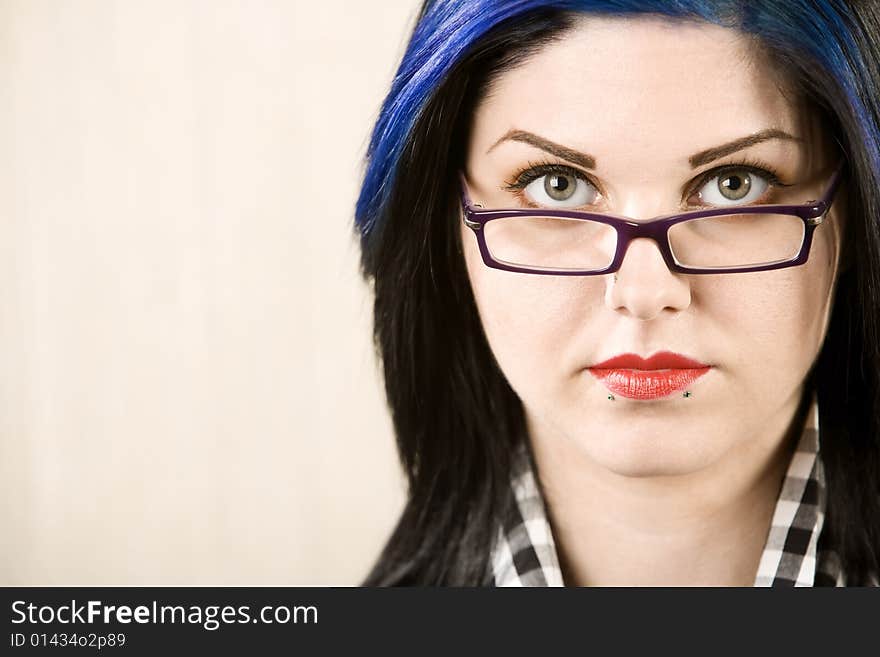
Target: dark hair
<point>456,419</point>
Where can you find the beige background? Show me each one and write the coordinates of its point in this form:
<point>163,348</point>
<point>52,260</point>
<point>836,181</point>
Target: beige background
<point>189,392</point>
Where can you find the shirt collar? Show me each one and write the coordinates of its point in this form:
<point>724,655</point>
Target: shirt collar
<point>525,552</point>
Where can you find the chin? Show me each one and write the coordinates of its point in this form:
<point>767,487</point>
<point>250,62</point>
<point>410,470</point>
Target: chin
<point>641,457</point>
<point>644,469</point>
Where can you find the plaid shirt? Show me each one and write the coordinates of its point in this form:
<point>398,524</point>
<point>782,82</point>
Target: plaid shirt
<point>525,552</point>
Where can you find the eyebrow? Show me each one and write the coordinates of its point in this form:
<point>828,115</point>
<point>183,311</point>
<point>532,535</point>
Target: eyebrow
<point>563,152</point>
<point>697,159</point>
<point>710,154</point>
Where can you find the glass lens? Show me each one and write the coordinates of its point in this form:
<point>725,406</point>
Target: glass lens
<point>551,242</point>
<point>736,240</point>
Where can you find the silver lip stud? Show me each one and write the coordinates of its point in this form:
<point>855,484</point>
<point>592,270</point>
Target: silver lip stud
<point>611,397</point>
<point>687,394</point>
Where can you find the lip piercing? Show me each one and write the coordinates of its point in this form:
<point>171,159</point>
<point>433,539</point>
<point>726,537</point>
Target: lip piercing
<point>611,397</point>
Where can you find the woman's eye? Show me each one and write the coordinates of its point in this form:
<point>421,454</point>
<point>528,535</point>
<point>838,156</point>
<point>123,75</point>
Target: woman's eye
<point>559,189</point>
<point>733,187</point>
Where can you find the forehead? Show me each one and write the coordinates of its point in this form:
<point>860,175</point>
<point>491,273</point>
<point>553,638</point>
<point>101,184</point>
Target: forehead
<point>621,85</point>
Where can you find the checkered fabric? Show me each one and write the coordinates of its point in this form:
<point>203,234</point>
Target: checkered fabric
<point>525,552</point>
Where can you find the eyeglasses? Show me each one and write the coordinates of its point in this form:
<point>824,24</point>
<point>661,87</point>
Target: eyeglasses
<point>715,241</point>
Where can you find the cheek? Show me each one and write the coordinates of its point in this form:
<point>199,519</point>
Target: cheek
<point>813,288</point>
<point>529,319</point>
<point>774,322</point>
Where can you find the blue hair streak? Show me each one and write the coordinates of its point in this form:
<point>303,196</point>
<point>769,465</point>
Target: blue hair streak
<point>448,30</point>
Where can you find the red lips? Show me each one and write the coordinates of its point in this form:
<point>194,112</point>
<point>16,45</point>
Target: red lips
<point>662,360</point>
<point>664,373</point>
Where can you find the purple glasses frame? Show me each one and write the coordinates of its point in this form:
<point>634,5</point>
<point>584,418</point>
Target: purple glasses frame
<point>812,213</point>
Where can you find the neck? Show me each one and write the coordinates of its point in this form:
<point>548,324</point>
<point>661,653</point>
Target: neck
<point>703,528</point>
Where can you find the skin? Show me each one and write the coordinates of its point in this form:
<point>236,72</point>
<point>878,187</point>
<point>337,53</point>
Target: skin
<point>674,491</point>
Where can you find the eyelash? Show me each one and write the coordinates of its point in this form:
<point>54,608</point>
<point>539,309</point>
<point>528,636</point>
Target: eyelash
<point>535,170</point>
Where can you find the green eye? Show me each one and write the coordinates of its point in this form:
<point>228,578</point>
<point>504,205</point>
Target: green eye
<point>560,187</point>
<point>738,186</point>
<point>554,186</point>
<point>735,187</point>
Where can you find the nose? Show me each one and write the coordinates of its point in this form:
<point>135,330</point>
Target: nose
<point>644,287</point>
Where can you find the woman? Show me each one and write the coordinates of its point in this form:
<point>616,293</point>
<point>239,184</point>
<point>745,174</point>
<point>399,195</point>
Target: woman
<point>605,364</point>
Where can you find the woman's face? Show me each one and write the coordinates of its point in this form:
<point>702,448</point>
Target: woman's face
<point>640,97</point>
